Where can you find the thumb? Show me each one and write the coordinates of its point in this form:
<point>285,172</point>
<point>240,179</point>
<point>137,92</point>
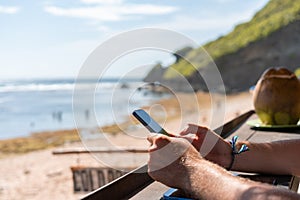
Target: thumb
<point>151,137</point>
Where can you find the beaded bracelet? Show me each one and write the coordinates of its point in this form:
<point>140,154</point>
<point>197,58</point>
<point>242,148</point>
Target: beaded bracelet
<point>235,151</point>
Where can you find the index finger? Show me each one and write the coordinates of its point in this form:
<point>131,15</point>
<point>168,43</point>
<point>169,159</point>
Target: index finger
<point>194,129</point>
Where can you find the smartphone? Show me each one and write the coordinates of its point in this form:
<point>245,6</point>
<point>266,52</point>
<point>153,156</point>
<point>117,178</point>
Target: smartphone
<point>148,122</point>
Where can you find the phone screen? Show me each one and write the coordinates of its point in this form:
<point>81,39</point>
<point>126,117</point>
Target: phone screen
<point>148,122</point>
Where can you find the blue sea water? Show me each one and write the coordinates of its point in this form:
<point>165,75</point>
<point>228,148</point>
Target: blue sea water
<point>28,106</point>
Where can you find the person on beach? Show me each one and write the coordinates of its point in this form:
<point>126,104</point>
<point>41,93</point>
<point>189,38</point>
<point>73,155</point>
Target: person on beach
<point>206,178</point>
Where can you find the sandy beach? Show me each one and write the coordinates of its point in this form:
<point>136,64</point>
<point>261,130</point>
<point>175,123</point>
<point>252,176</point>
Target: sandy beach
<point>42,175</point>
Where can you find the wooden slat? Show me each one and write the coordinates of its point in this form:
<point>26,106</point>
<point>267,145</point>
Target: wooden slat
<point>294,186</point>
<point>99,150</point>
<point>265,136</point>
<point>254,135</point>
<point>153,191</point>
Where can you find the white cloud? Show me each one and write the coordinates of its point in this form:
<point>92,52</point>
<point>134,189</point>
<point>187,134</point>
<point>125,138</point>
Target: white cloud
<point>9,9</point>
<point>102,1</point>
<point>116,11</point>
<point>97,13</point>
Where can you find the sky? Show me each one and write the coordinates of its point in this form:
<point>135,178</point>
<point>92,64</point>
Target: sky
<point>53,38</point>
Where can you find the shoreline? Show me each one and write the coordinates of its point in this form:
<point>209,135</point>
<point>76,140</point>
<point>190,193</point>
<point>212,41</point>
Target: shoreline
<point>51,139</point>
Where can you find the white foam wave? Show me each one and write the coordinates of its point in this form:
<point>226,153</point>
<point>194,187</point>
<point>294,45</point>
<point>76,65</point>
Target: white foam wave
<point>35,87</point>
<point>56,87</point>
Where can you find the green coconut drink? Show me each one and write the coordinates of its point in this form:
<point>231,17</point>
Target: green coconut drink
<point>277,97</point>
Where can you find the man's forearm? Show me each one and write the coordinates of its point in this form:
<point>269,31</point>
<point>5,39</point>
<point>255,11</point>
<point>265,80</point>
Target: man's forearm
<point>209,181</point>
<point>280,157</point>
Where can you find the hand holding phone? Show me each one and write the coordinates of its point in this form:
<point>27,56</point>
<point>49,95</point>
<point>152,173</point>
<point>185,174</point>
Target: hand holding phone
<point>153,126</point>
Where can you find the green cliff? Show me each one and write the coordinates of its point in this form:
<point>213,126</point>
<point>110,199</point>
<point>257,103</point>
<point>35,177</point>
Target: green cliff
<point>274,16</point>
<point>270,38</point>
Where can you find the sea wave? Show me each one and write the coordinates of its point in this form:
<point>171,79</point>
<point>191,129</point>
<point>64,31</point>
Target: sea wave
<point>12,87</point>
<point>35,87</point>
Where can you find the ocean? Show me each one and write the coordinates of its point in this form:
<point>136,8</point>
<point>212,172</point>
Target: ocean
<point>28,106</point>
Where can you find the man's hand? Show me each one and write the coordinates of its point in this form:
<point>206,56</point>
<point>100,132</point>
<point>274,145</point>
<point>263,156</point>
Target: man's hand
<point>209,144</point>
<point>171,160</point>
